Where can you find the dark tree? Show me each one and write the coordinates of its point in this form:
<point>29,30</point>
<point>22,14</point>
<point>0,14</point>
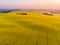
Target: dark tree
<point>49,14</point>
<point>21,13</point>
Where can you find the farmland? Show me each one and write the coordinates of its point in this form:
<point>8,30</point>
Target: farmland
<point>35,28</point>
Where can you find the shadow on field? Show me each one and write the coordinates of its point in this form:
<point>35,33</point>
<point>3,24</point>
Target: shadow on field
<point>32,26</point>
<point>6,26</point>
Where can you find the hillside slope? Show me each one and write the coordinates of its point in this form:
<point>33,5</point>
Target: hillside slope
<point>32,29</point>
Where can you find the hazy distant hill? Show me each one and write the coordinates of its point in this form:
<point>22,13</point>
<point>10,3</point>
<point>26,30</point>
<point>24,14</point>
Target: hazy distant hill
<point>7,10</point>
<point>49,10</point>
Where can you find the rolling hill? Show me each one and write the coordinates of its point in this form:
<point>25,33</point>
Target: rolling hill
<point>35,28</point>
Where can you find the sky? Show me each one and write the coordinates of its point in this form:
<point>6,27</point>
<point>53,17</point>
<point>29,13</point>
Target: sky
<point>30,4</point>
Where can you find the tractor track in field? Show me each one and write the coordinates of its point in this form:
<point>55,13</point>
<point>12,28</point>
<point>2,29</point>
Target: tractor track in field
<point>46,35</point>
<point>5,41</point>
<point>28,38</point>
<point>38,38</point>
<point>33,40</point>
<point>18,38</point>
<point>55,37</point>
